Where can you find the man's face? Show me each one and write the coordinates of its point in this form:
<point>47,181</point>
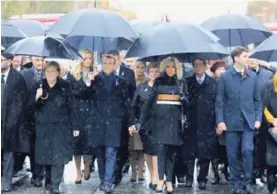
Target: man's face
<point>199,67</point>
<point>253,63</point>
<point>16,62</point>
<point>38,63</point>
<point>131,62</point>
<point>108,65</point>
<point>242,59</point>
<point>5,63</point>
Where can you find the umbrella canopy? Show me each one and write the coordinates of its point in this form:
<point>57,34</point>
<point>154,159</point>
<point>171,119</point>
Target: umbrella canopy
<point>267,50</point>
<point>80,26</point>
<point>10,34</point>
<point>237,30</point>
<point>44,47</point>
<point>178,39</point>
<point>30,27</point>
<point>141,26</point>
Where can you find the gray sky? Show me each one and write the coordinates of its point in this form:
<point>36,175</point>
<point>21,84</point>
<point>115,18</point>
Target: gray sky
<point>181,10</point>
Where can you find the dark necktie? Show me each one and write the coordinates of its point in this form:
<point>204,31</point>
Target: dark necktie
<point>3,79</point>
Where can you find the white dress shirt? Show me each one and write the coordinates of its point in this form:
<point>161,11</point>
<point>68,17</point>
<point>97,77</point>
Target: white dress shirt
<point>117,71</point>
<point>200,80</point>
<point>6,75</point>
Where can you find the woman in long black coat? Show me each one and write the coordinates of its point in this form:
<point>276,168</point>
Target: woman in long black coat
<point>270,102</point>
<point>142,95</point>
<point>55,125</point>
<point>166,107</point>
<point>200,136</point>
<point>78,80</point>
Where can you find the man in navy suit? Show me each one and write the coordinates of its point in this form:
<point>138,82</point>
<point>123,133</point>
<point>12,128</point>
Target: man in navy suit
<point>239,114</point>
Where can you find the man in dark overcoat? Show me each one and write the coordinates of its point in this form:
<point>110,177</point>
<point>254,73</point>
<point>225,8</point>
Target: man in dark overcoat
<point>122,70</point>
<point>110,106</point>
<point>14,138</point>
<point>200,137</point>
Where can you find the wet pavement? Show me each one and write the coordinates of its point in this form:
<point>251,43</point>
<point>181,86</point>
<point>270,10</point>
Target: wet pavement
<point>91,186</point>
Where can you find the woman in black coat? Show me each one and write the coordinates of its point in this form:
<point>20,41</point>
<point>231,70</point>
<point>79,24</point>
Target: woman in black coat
<point>55,125</point>
<point>270,102</point>
<point>78,80</point>
<point>150,149</point>
<point>166,107</point>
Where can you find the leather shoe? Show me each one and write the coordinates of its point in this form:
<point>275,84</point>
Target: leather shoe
<point>236,191</point>
<point>189,183</point>
<point>202,185</point>
<point>38,183</point>
<point>107,190</point>
<point>249,189</point>
<point>101,187</point>
<point>181,180</point>
<point>6,189</point>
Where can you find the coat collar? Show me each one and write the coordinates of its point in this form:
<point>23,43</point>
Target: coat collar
<point>206,79</point>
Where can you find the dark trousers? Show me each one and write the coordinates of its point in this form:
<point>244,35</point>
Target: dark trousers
<point>106,159</point>
<point>122,158</point>
<point>240,144</point>
<point>180,165</point>
<point>271,178</point>
<point>53,177</point>
<point>19,159</point>
<point>204,169</point>
<point>8,164</point>
<point>166,162</point>
<point>37,169</point>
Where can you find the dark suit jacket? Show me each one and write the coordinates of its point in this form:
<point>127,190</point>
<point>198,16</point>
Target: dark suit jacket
<point>14,137</point>
<point>238,97</point>
<point>129,75</point>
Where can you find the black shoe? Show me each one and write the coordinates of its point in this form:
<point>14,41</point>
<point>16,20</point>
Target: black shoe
<point>32,181</point>
<point>78,182</point>
<point>202,185</point>
<point>216,181</point>
<point>236,191</point>
<point>108,190</point>
<point>271,183</point>
<point>101,187</point>
<point>154,186</point>
<point>117,181</point>
<point>226,175</point>
<point>38,183</point>
<point>169,192</point>
<point>249,189</point>
<point>87,177</point>
<point>125,169</point>
<point>6,189</point>
<point>181,180</point>
<point>189,183</point>
<point>158,191</point>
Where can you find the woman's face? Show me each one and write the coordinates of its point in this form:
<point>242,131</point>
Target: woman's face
<point>170,69</point>
<point>219,72</point>
<point>139,71</point>
<point>51,74</point>
<point>154,73</point>
<point>87,60</point>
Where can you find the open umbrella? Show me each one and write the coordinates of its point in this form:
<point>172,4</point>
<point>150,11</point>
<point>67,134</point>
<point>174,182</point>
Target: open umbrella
<point>267,50</point>
<point>237,30</point>
<point>10,33</point>
<point>43,47</point>
<point>91,26</point>
<point>176,39</point>
<point>29,27</point>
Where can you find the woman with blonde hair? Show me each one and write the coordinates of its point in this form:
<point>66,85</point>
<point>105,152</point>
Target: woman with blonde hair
<point>79,79</point>
<point>166,106</point>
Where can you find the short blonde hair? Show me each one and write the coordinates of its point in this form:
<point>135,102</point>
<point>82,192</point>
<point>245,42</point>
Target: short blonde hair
<point>78,68</point>
<point>177,64</point>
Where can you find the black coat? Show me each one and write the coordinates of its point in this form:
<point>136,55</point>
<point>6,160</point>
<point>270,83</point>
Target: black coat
<point>270,101</point>
<point>14,136</point>
<point>166,119</point>
<point>55,121</point>
<point>108,112</point>
<point>83,104</point>
<point>200,137</point>
<point>129,75</point>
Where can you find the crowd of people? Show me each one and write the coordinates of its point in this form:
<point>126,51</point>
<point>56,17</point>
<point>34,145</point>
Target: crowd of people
<point>137,112</point>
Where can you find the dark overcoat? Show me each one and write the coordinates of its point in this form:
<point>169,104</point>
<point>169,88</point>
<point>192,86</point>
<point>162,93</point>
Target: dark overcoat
<point>55,122</point>
<point>14,136</point>
<point>200,136</point>
<point>109,109</point>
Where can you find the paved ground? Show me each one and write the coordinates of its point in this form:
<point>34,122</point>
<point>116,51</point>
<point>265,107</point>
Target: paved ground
<point>90,186</point>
